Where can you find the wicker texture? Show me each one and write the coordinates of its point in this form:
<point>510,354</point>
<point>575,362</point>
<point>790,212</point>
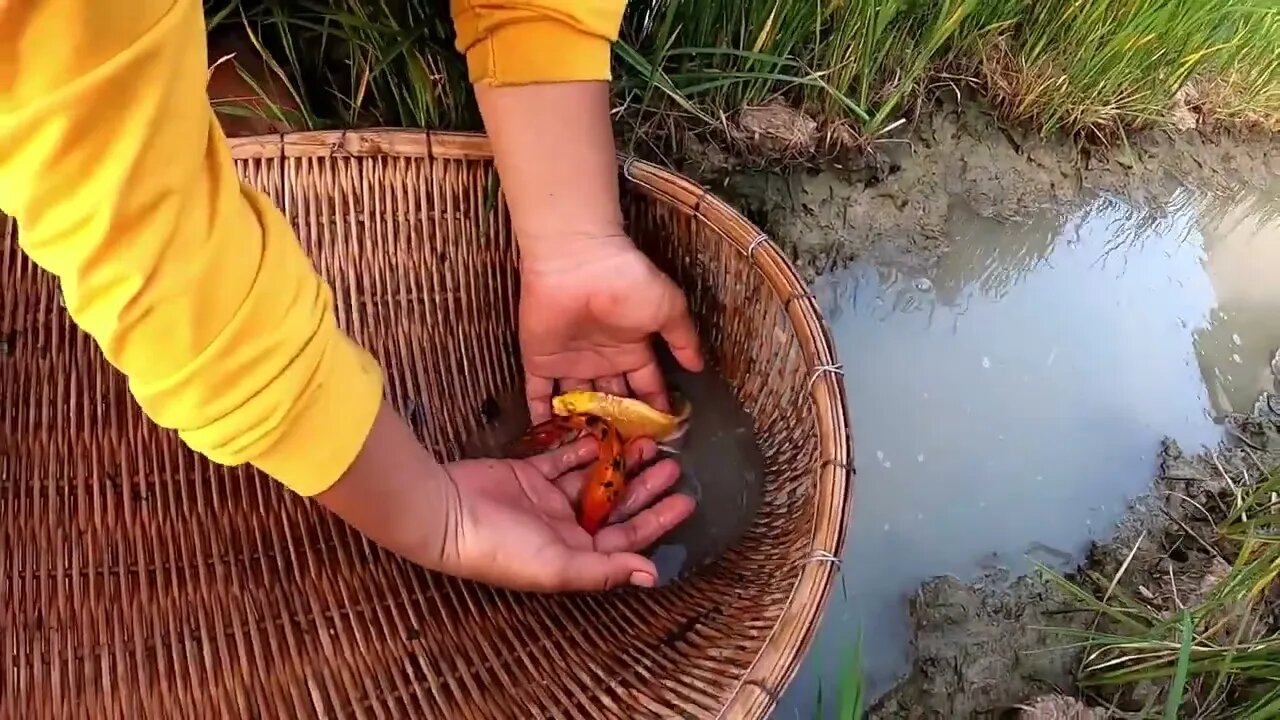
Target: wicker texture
<point>138,580</point>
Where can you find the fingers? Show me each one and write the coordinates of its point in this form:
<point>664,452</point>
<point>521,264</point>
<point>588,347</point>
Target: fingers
<point>613,384</point>
<point>645,528</point>
<point>537,392</point>
<point>646,488</point>
<point>649,387</point>
<point>585,570</point>
<point>567,384</point>
<point>555,463</point>
<point>636,453</point>
<point>680,333</point>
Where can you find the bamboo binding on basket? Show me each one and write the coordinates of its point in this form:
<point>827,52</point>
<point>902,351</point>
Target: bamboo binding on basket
<point>138,580</point>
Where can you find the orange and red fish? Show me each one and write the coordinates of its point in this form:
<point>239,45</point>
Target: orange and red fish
<point>613,421</point>
<point>607,478</point>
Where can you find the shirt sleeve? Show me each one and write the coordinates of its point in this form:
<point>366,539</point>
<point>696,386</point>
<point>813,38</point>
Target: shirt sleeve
<point>514,42</point>
<point>192,283</point>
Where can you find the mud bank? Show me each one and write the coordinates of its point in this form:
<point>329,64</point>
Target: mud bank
<point>889,202</point>
<point>977,650</point>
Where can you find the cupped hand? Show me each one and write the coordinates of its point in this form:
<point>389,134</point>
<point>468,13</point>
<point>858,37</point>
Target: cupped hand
<point>587,321</point>
<point>514,524</point>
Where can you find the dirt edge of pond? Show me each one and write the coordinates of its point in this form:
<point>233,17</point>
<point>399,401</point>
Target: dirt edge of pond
<point>890,202</point>
<point>975,652</point>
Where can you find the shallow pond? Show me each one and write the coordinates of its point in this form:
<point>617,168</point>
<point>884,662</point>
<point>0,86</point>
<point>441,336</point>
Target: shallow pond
<point>1008,405</point>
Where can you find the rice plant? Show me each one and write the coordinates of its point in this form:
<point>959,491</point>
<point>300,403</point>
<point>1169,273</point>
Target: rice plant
<point>352,63</point>
<point>1222,650</point>
<point>879,53</point>
<point>1244,85</point>
<point>851,697</point>
<point>1058,65</point>
<point>845,59</point>
<point>1105,63</point>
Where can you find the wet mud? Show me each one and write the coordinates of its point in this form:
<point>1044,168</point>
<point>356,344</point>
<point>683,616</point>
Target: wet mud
<point>890,203</point>
<point>978,650</point>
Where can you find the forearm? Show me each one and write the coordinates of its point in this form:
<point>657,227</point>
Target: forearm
<point>554,150</point>
<point>397,494</point>
<point>541,72</point>
<point>193,285</point>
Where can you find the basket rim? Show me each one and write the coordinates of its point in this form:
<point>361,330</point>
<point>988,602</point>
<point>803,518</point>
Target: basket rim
<point>761,686</point>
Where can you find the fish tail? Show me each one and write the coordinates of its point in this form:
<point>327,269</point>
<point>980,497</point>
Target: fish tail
<point>549,434</point>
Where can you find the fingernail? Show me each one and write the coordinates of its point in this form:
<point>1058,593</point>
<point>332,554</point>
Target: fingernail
<point>642,579</point>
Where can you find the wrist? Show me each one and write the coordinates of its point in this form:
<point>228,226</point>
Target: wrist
<point>398,495</point>
<point>554,151</point>
<point>556,254</point>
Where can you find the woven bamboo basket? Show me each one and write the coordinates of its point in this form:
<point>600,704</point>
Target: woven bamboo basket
<point>139,580</point>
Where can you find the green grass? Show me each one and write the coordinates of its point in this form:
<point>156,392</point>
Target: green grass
<point>359,63</point>
<point>1117,63</point>
<point>1097,66</point>
<point>1223,650</point>
<point>851,697</point>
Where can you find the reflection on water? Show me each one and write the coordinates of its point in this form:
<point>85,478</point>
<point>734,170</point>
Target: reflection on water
<point>1237,343</point>
<point>1007,407</point>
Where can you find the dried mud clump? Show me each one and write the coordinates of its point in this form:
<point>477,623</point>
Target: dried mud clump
<point>977,653</point>
<point>1058,707</point>
<point>777,129</point>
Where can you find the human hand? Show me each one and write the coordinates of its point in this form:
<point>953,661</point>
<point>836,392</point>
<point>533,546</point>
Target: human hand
<point>586,321</point>
<point>513,523</point>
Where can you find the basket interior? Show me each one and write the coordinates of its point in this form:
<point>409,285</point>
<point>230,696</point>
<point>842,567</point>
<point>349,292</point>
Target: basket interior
<point>135,577</point>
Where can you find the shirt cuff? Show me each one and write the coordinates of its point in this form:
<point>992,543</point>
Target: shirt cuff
<point>331,427</point>
<point>539,51</point>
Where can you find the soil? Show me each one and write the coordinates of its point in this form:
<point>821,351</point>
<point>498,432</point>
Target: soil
<point>977,652</point>
<point>890,201</point>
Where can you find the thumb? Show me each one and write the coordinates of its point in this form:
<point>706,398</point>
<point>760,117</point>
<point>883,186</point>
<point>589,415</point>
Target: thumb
<point>586,570</point>
<point>678,330</point>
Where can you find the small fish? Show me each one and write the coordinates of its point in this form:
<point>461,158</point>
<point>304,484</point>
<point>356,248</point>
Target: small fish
<point>606,481</point>
<point>633,418</point>
<point>607,477</point>
<point>547,435</point>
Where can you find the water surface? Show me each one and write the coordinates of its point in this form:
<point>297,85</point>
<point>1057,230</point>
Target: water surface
<point>1007,407</point>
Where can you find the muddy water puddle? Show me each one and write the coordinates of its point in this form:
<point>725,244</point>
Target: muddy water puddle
<point>1008,404</point>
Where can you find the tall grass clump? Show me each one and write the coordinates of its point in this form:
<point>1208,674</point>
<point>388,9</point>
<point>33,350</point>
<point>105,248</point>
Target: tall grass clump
<point>1244,85</point>
<point>1097,66</point>
<point>1110,64</point>
<point>879,53</point>
<point>1214,648</point>
<point>719,53</point>
<point>845,59</point>
<point>352,63</point>
<point>1055,65</point>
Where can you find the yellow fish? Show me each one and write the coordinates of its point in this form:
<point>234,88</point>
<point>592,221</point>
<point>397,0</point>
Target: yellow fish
<point>633,418</point>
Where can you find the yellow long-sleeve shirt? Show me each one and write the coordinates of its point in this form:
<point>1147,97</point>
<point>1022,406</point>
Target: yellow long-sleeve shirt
<point>192,283</point>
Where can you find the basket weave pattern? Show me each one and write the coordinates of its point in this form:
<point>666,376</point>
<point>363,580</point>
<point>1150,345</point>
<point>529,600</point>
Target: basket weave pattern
<point>139,580</point>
